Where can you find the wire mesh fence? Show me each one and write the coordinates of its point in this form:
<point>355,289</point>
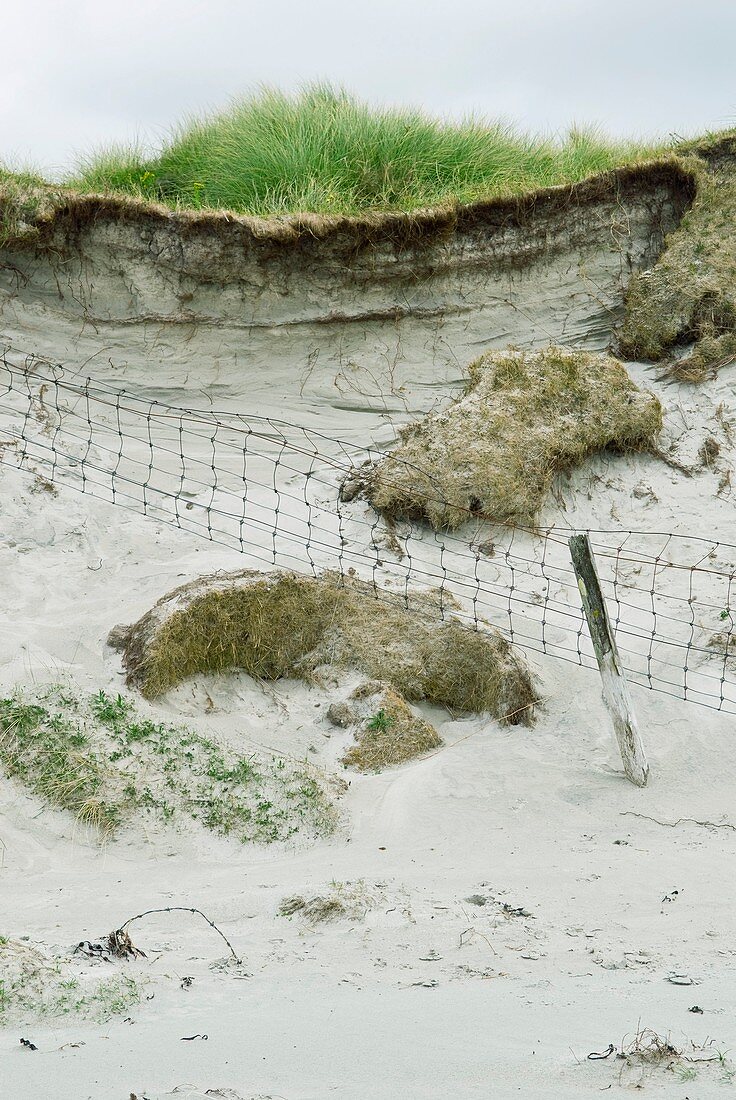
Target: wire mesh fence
<point>272,491</point>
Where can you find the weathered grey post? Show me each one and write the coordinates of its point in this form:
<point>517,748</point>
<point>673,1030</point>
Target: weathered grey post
<point>615,689</point>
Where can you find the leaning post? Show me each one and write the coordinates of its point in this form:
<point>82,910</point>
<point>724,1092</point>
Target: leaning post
<point>615,689</point>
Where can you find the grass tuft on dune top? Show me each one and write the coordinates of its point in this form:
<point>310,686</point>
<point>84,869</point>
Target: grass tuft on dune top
<point>324,151</point>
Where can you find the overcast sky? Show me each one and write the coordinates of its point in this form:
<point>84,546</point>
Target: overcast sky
<point>76,73</point>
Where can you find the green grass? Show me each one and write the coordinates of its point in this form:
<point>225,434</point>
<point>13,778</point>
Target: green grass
<point>99,758</point>
<point>324,151</point>
<point>381,722</point>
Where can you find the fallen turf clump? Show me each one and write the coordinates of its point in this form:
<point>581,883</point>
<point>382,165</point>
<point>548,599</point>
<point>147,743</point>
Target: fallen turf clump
<point>387,731</point>
<point>524,417</point>
<point>98,757</point>
<point>285,625</point>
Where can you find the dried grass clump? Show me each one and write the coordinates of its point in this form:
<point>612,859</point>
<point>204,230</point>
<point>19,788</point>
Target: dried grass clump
<point>524,417</point>
<point>646,1048</point>
<point>689,296</point>
<point>723,643</point>
<point>26,202</point>
<point>350,900</point>
<point>316,909</point>
<point>283,624</point>
<point>390,733</point>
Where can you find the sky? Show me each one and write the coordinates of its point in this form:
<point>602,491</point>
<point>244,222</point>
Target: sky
<point>77,75</point>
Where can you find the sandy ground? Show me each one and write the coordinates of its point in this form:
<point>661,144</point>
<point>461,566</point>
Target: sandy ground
<point>420,992</point>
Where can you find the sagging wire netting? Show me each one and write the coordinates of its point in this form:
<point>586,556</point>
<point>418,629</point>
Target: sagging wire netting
<point>272,491</point>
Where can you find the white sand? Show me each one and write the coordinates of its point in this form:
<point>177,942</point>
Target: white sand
<point>425,995</point>
<point>525,817</point>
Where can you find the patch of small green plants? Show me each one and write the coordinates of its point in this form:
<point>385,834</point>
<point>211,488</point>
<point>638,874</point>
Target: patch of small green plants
<point>34,985</point>
<point>100,758</point>
<point>381,722</point>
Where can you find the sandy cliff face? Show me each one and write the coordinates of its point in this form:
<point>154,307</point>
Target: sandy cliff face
<point>361,314</point>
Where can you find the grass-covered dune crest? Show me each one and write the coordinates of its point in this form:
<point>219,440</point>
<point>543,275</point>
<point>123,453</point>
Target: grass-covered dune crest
<point>304,163</point>
<point>34,213</point>
<point>319,180</point>
<point>324,151</point>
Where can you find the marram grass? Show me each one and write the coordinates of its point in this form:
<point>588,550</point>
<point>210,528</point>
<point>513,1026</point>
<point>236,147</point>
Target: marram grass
<point>324,151</point>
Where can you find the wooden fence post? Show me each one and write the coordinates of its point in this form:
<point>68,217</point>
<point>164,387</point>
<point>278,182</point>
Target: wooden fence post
<point>615,689</point>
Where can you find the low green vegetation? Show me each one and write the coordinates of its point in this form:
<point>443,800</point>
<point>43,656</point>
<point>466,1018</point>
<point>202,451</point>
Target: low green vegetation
<point>283,624</point>
<point>524,417</point>
<point>324,151</point>
<point>381,722</point>
<point>98,757</point>
<point>34,985</point>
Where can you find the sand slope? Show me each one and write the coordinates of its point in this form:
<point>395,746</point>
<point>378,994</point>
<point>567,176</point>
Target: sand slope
<point>527,818</point>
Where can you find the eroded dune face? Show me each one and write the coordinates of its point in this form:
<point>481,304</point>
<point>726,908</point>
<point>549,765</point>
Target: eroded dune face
<point>359,315</point>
